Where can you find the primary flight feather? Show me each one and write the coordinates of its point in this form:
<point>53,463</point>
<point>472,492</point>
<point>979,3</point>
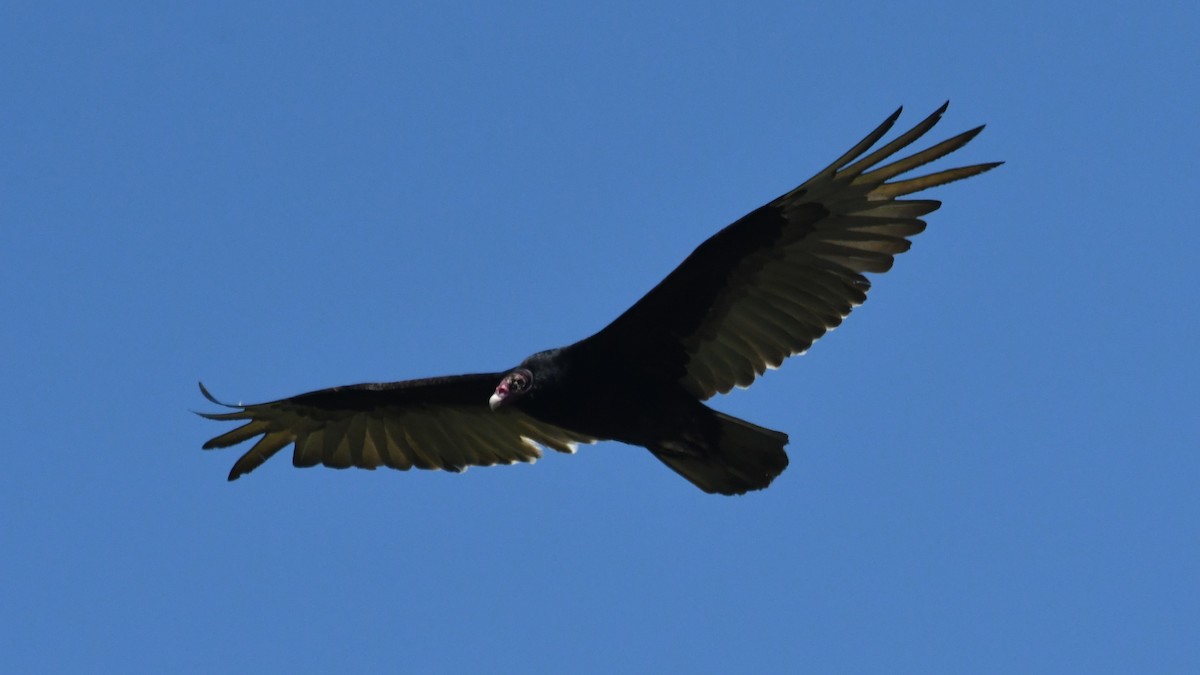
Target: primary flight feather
<point>760,290</point>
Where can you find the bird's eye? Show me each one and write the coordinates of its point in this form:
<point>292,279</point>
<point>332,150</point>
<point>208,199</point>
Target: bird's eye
<point>520,381</point>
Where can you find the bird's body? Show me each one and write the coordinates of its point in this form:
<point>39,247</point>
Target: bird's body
<point>583,394</point>
<point>760,290</point>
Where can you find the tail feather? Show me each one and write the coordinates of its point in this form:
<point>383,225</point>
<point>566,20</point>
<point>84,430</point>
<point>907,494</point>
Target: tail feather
<point>742,457</point>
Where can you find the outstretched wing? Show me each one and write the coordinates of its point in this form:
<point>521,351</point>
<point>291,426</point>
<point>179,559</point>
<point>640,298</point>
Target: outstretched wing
<point>772,283</point>
<point>437,423</point>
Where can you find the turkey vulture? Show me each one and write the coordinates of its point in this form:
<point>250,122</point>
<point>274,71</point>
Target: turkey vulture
<point>760,290</point>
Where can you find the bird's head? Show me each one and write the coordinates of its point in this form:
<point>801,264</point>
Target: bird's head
<point>514,385</point>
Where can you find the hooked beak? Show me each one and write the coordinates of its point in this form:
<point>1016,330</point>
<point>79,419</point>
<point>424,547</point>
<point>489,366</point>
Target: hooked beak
<point>498,396</point>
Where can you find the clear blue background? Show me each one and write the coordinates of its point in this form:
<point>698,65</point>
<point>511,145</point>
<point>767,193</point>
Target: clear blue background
<point>994,461</point>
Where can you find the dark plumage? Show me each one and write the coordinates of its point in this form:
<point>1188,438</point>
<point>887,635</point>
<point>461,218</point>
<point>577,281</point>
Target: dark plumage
<point>760,290</point>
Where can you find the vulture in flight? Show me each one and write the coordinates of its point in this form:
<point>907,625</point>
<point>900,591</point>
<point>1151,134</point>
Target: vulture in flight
<point>760,290</point>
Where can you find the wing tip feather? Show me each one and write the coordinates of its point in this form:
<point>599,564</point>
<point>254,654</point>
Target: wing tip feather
<point>213,399</point>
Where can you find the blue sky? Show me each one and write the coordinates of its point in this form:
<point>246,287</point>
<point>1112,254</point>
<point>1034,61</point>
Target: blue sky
<point>993,462</point>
